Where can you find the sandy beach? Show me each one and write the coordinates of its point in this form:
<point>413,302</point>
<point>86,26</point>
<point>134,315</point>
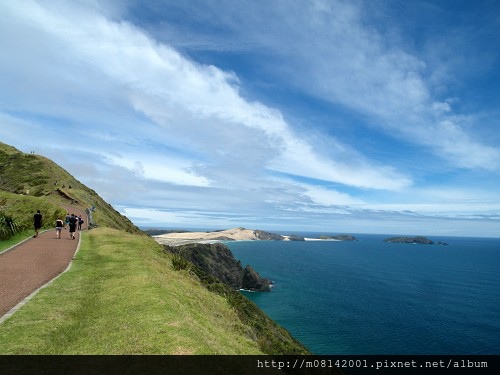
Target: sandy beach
<point>235,234</point>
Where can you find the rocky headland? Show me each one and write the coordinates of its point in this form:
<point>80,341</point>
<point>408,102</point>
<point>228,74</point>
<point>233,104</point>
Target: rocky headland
<point>217,260</point>
<point>206,251</point>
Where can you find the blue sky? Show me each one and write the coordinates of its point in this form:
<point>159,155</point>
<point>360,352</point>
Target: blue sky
<point>332,116</point>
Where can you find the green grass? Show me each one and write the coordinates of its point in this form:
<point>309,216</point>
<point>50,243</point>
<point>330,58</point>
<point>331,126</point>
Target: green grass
<point>5,244</point>
<point>272,338</point>
<point>21,209</point>
<point>122,296</point>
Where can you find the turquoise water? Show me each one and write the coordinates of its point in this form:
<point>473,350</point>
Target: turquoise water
<point>371,297</point>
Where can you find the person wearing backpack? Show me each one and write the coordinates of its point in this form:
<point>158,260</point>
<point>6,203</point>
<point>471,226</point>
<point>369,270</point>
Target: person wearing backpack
<point>72,226</point>
<point>80,222</point>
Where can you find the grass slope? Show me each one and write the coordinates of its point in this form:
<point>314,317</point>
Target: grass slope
<point>14,240</point>
<point>21,209</point>
<point>122,296</point>
<point>36,176</point>
<point>272,338</point>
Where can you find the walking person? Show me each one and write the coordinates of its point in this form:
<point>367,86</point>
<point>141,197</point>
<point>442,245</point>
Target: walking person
<point>80,222</point>
<point>68,216</point>
<point>59,227</point>
<point>72,226</point>
<point>37,222</point>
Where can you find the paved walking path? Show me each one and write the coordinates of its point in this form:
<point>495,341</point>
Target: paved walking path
<point>33,263</point>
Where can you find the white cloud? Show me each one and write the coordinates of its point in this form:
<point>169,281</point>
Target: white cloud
<point>334,52</point>
<point>328,197</point>
<point>300,159</point>
<point>440,201</point>
<point>160,168</point>
<point>200,105</point>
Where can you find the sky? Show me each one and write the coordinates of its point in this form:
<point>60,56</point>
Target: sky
<point>377,116</point>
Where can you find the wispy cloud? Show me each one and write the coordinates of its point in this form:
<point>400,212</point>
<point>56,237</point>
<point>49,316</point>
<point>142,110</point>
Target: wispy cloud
<point>334,52</point>
<point>198,106</point>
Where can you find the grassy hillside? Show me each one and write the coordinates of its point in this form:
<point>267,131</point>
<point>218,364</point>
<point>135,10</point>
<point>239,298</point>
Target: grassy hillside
<point>31,175</point>
<point>122,295</point>
<point>16,213</point>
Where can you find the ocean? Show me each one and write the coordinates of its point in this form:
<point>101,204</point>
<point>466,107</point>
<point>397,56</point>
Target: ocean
<point>372,297</point>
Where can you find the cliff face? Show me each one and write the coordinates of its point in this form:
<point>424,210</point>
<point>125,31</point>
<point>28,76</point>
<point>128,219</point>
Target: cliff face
<point>218,261</point>
<point>252,281</point>
<point>267,236</point>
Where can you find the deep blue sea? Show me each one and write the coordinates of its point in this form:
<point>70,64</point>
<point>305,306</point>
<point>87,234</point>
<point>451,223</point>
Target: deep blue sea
<point>371,297</point>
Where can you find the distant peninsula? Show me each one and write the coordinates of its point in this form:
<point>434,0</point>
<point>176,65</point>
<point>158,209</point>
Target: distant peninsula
<point>178,238</point>
<point>235,234</point>
<point>421,240</point>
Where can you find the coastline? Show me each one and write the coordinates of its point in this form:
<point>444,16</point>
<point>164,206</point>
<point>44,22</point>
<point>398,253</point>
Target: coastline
<point>229,235</point>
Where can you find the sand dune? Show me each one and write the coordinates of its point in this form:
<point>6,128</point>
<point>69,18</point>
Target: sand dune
<point>235,234</point>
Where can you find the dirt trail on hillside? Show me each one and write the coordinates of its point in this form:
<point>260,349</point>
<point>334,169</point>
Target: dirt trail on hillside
<point>35,262</point>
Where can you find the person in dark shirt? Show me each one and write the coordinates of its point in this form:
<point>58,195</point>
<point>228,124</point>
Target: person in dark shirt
<point>80,222</point>
<point>72,226</point>
<point>37,222</point>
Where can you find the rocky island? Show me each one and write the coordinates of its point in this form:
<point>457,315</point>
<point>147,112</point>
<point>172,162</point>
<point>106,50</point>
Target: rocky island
<point>413,240</point>
<point>340,237</point>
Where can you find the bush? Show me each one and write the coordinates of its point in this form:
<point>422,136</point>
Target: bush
<point>181,263</point>
<point>8,226</point>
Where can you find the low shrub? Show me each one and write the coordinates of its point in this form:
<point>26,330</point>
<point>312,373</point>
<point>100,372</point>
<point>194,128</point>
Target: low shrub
<point>8,227</point>
<point>180,263</point>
